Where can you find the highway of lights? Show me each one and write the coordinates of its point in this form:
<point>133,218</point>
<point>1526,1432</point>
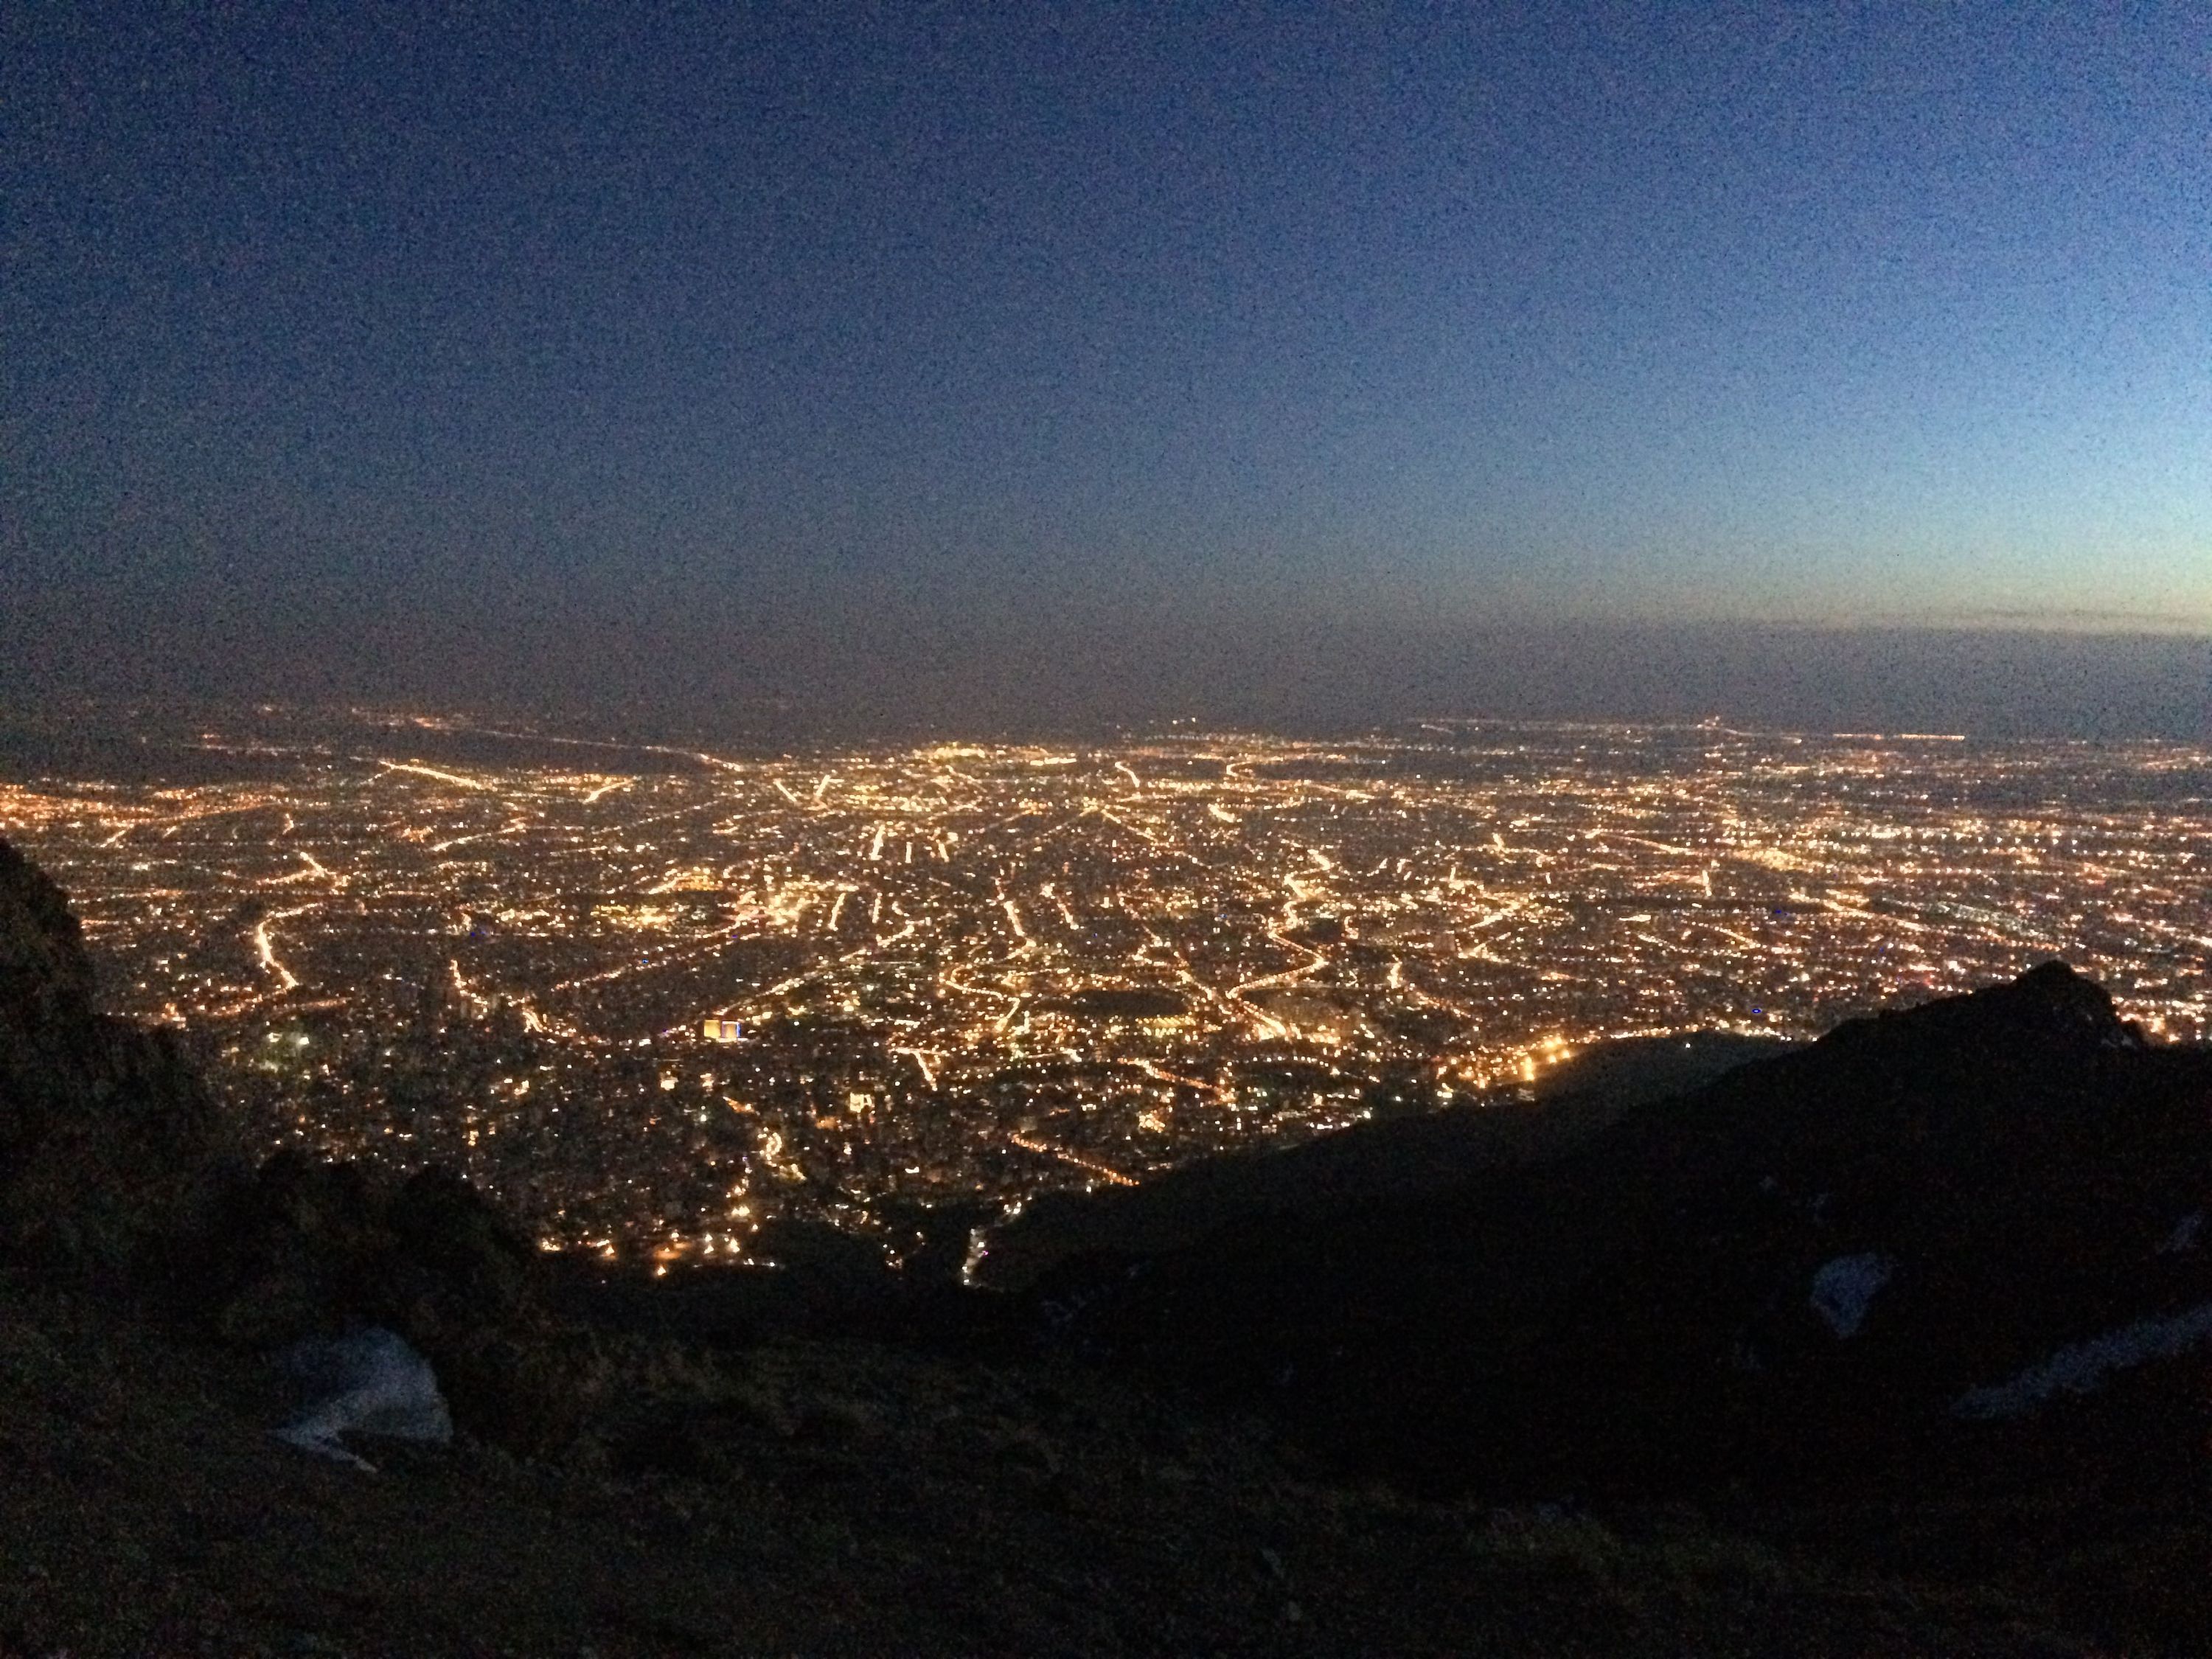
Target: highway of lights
<point>957,975</point>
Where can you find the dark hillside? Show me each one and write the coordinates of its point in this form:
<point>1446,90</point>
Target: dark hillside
<point>111,1145</point>
<point>1968,1189</point>
<point>1390,1161</point>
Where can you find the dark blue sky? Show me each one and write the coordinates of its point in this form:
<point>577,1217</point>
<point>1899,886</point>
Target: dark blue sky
<point>549,336</point>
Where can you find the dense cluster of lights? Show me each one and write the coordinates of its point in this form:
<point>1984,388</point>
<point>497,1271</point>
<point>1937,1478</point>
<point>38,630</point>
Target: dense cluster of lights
<point>657,997</point>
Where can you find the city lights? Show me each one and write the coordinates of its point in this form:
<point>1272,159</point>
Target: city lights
<point>843,984</point>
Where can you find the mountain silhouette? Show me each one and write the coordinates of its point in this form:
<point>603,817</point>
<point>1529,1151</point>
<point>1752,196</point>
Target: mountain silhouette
<point>1842,1267</point>
<point>111,1145</point>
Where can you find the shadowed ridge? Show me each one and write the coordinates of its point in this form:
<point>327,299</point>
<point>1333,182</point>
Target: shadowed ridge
<point>1788,1276</point>
<point>1946,1081</point>
<point>112,1148</point>
<point>1387,1161</point>
<point>2051,1009</point>
<point>45,977</point>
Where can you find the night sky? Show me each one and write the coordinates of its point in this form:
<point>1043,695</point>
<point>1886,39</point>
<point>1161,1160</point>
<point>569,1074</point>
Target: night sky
<point>987,364</point>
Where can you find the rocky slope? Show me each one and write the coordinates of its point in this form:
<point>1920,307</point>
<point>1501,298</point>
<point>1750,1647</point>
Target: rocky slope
<point>111,1146</point>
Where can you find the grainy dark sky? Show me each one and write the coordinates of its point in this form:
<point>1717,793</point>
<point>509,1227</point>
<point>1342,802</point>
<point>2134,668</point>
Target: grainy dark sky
<point>999,360</point>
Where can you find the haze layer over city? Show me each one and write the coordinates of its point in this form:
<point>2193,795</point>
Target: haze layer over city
<point>654,997</point>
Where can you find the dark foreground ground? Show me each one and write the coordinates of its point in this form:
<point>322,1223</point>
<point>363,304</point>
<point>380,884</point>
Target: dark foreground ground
<point>834,1498</point>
